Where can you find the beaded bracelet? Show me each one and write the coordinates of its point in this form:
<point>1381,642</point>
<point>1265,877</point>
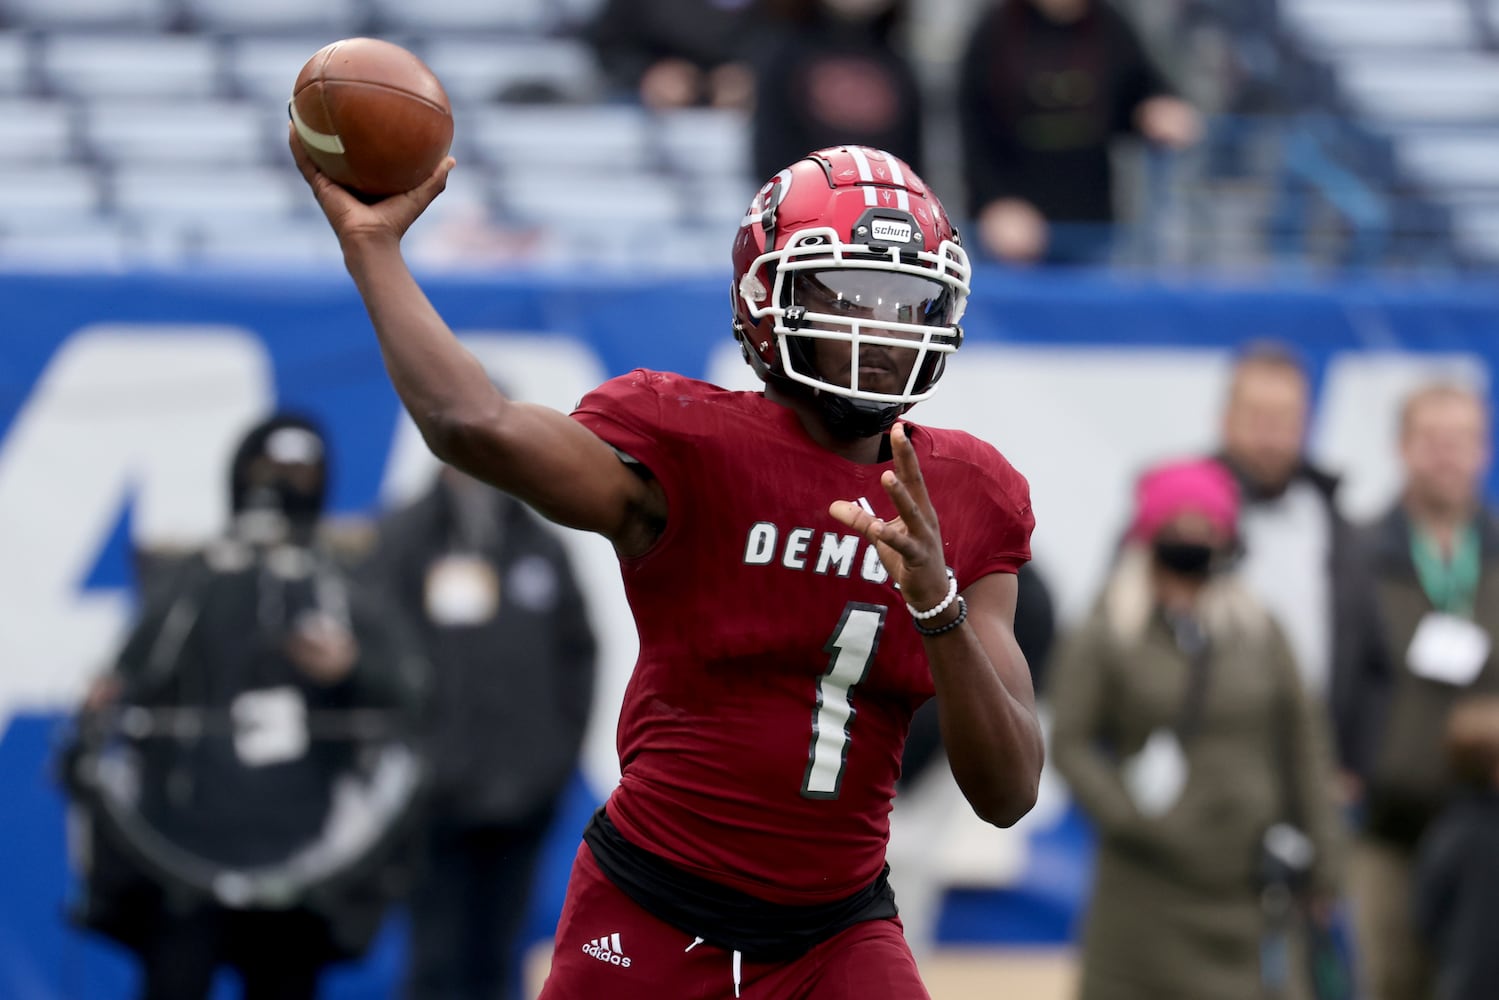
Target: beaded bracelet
<point>962,617</point>
<point>952,595</point>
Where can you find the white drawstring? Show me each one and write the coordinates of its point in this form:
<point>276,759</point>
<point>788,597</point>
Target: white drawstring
<point>738,963</point>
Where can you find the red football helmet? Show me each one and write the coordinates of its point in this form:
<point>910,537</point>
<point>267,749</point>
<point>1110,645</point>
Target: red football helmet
<point>849,244</point>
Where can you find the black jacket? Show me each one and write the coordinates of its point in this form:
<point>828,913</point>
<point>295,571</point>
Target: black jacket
<point>1457,897</point>
<point>826,84</point>
<point>1041,103</point>
<point>513,693</point>
<point>630,36</point>
<point>1404,716</point>
<point>211,641</point>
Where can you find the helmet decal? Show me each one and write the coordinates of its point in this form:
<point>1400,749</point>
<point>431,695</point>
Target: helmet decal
<point>770,196</point>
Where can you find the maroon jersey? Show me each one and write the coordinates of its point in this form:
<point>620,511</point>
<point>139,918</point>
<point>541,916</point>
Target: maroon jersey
<point>761,732</point>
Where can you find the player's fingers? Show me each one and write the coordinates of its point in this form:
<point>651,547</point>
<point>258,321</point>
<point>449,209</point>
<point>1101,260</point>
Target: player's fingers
<point>847,513</point>
<point>299,154</point>
<point>912,513</point>
<point>907,466</point>
<point>851,515</point>
<point>423,194</point>
<point>322,186</point>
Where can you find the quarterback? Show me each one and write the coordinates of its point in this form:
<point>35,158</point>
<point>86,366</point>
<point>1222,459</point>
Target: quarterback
<point>805,568</point>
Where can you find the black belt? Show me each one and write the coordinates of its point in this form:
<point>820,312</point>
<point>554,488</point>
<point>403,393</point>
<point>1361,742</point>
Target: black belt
<point>723,917</point>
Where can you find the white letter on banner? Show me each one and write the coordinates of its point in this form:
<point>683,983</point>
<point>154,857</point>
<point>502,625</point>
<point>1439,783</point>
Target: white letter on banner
<point>121,410</point>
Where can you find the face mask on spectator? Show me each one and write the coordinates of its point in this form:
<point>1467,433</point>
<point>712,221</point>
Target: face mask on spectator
<point>1186,558</point>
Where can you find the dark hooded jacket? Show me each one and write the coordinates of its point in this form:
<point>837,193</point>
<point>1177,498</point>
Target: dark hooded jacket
<point>513,692</point>
<point>210,645</point>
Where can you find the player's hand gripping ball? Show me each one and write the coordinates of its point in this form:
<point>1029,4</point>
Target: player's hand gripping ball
<point>372,116</point>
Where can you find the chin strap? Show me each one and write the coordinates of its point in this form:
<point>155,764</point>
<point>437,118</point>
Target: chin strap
<point>848,419</point>
<point>851,419</point>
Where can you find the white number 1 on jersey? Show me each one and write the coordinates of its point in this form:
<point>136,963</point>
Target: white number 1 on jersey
<point>851,650</point>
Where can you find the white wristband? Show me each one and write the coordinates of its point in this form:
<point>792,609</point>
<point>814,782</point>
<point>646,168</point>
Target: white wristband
<point>952,595</point>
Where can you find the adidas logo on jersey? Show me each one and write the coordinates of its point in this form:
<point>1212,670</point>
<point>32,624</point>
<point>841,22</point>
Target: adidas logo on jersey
<point>607,949</point>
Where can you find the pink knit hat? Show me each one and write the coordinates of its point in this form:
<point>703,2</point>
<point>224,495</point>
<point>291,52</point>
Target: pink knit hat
<point>1201,486</point>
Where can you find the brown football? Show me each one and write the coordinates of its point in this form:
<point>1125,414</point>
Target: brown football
<point>371,115</point>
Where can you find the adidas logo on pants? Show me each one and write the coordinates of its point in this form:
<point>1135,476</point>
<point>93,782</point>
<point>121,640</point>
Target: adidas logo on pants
<point>607,949</point>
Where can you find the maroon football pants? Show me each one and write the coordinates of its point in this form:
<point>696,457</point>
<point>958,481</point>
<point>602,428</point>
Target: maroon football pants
<point>607,946</point>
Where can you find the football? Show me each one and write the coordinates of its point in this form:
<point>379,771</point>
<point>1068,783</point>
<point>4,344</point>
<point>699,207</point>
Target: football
<point>372,115</point>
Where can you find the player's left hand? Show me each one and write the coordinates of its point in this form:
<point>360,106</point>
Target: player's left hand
<point>910,546</point>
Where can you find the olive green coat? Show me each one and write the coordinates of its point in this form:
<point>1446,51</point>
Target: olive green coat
<point>1174,913</point>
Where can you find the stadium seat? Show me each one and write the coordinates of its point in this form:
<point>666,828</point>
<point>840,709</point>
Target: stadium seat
<point>15,63</point>
<point>719,203</point>
<point>1342,25</point>
<point>601,138</point>
<point>1453,160</point>
<point>40,197</point>
<point>1478,231</point>
<point>694,248</point>
<point>633,249</point>
<point>467,186</point>
<point>479,71</point>
<point>35,131</point>
<point>588,201</point>
<point>529,17</point>
<point>328,18</point>
<point>706,142</point>
<point>89,244</point>
<point>264,69</point>
<point>1452,88</point>
<point>294,244</point>
<point>89,14</point>
<point>168,66</point>
<point>206,197</point>
<point>222,132</point>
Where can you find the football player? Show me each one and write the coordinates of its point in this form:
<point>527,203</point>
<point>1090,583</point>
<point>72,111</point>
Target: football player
<point>795,595</point>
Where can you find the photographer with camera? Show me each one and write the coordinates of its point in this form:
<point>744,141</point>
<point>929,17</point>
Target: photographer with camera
<point>1183,730</point>
<point>246,768</point>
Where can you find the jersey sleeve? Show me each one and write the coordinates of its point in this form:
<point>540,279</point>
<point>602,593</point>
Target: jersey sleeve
<point>625,412</point>
<point>997,521</point>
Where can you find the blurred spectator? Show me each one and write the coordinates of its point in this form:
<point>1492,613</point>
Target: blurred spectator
<point>833,75</point>
<point>1302,558</point>
<point>1184,733</point>
<point>503,623</point>
<point>1482,14</point>
<point>1437,578</point>
<point>1046,85</point>
<point>1457,873</point>
<point>678,53</point>
<point>252,696</point>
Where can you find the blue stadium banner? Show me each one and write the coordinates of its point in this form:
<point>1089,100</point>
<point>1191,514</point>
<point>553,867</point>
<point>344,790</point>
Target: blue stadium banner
<point>121,395</point>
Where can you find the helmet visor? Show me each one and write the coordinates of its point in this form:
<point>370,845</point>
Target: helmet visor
<point>874,296</point>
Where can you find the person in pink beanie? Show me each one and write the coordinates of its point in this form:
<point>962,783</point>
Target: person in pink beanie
<point>1183,731</point>
<point>1200,486</point>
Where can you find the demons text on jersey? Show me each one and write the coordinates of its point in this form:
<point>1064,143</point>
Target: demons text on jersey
<point>825,552</point>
